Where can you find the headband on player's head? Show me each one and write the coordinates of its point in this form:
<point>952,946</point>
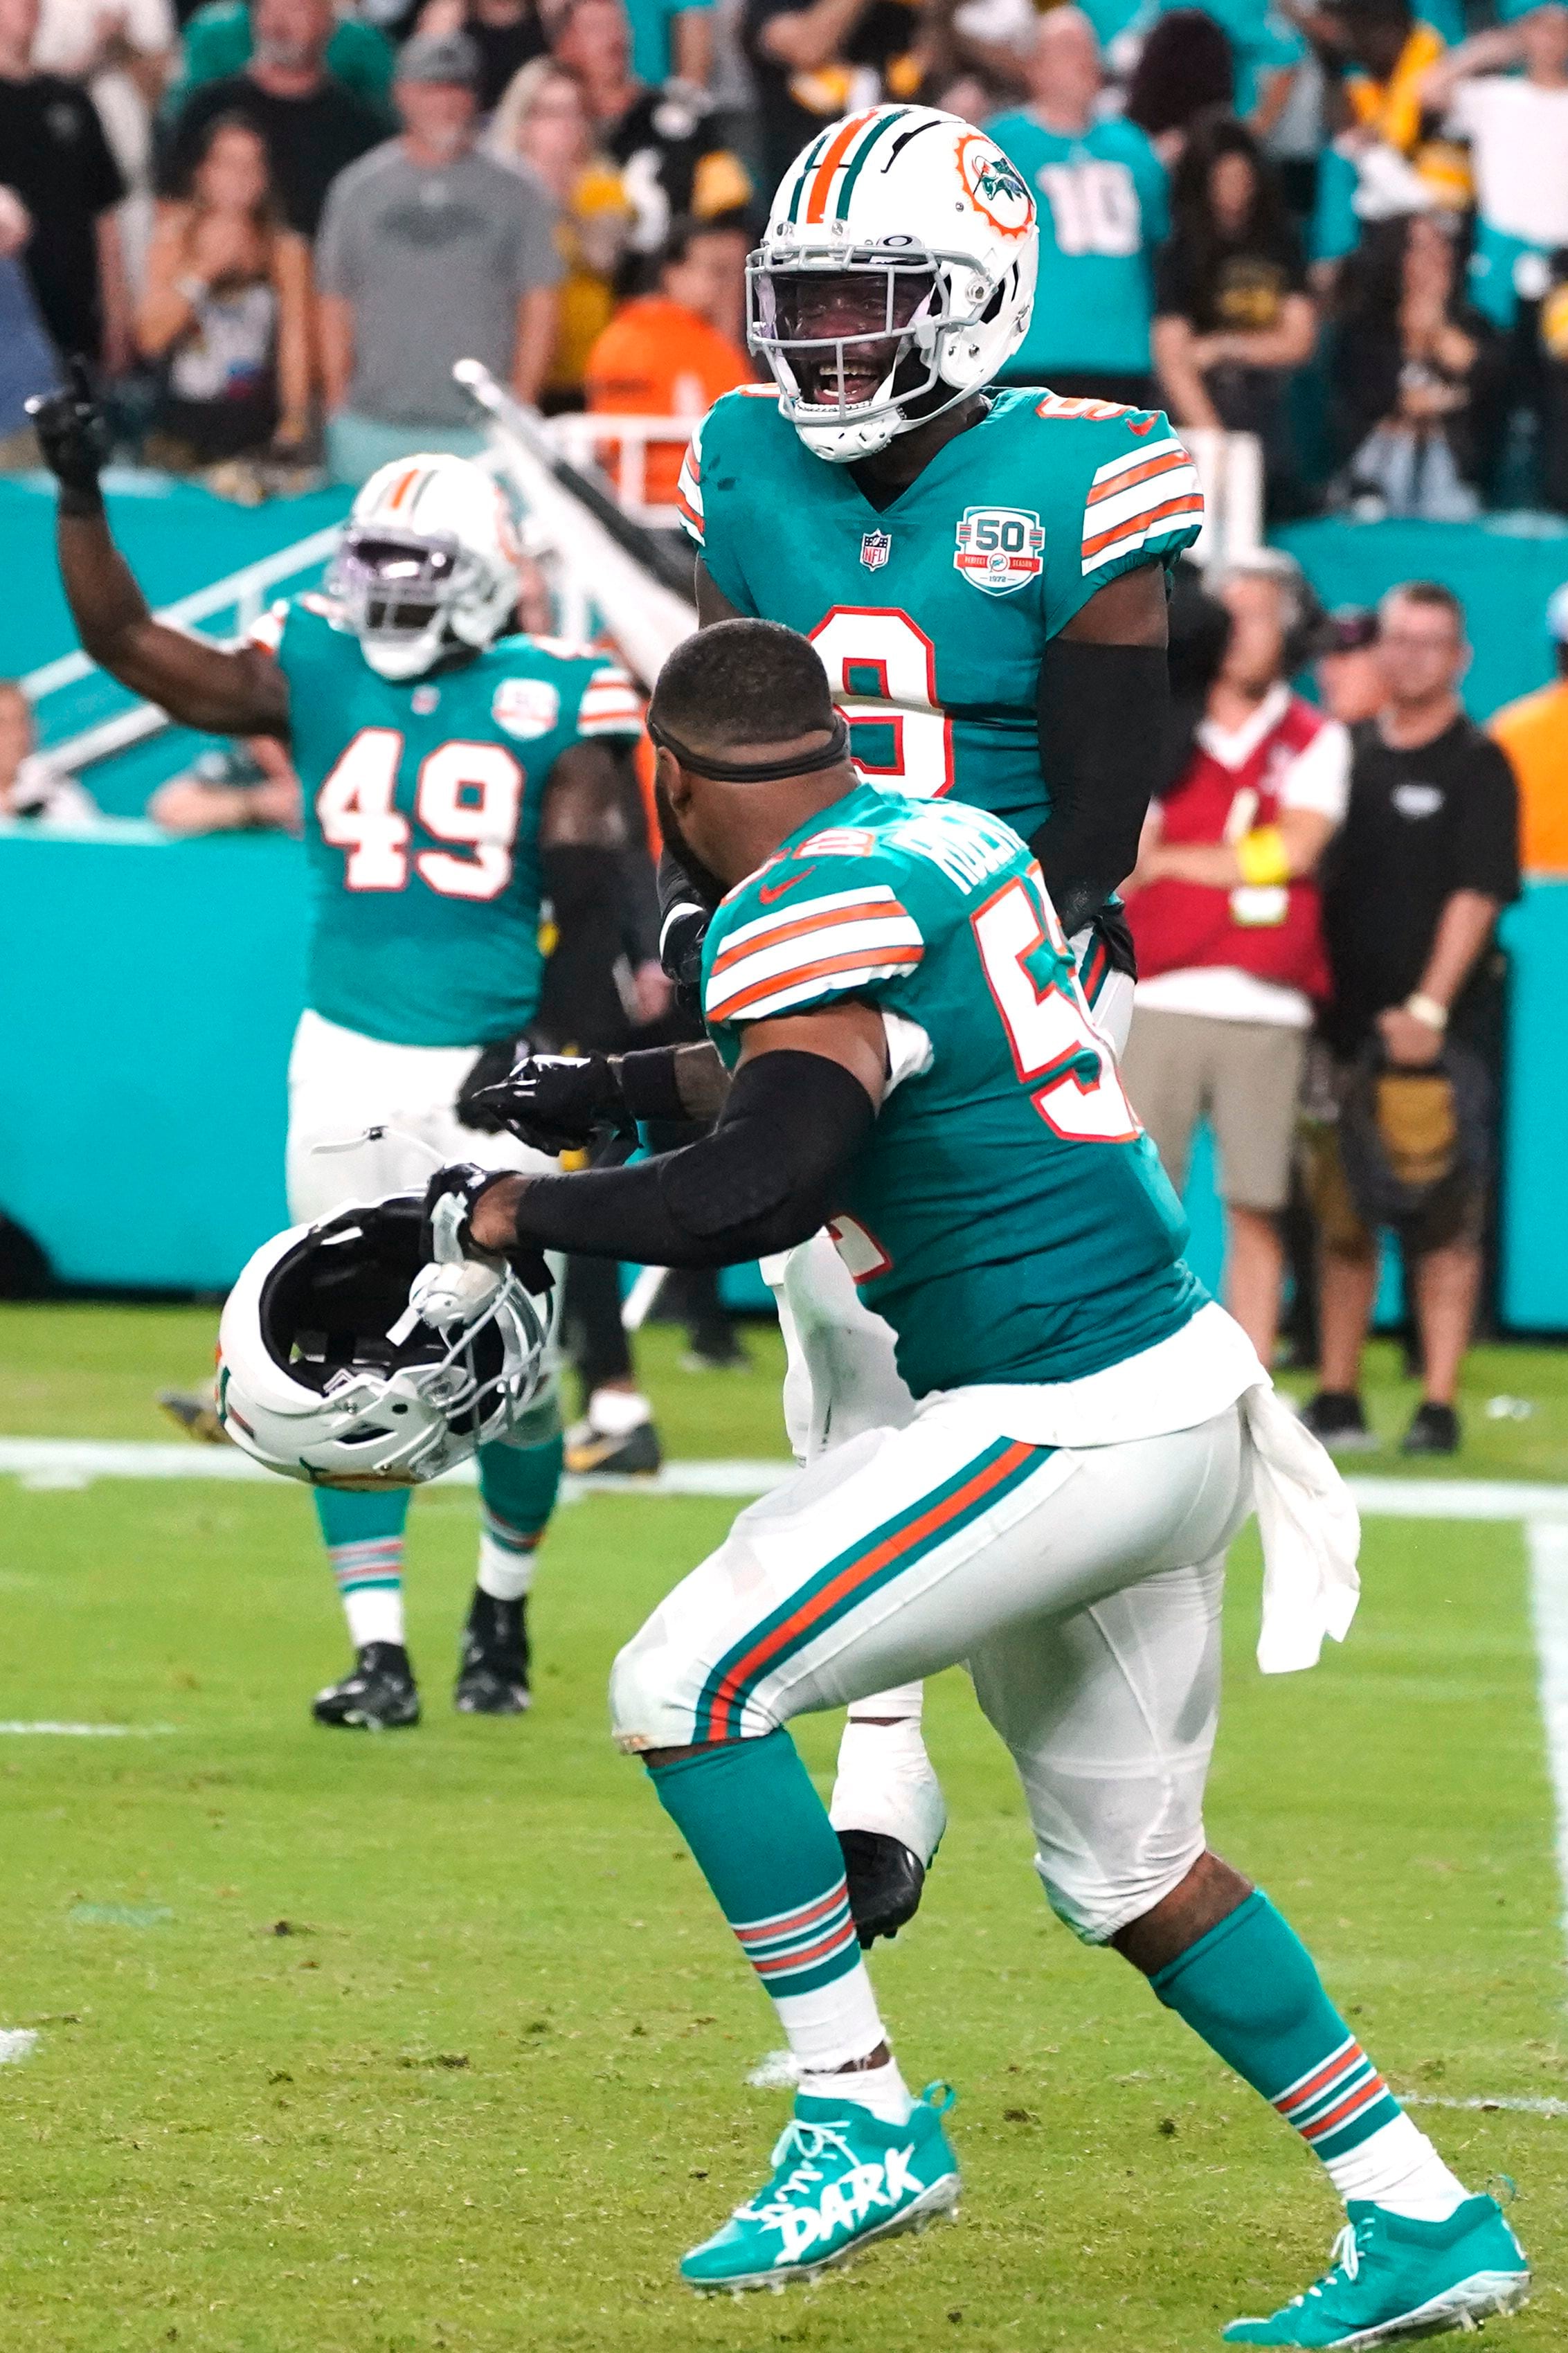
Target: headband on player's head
<point>757,772</point>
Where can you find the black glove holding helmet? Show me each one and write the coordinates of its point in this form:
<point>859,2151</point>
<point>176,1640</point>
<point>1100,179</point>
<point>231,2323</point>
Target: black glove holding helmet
<point>73,435</point>
<point>451,1199</point>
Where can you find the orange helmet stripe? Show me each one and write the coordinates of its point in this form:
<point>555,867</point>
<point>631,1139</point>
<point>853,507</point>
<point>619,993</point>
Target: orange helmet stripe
<point>822,185</point>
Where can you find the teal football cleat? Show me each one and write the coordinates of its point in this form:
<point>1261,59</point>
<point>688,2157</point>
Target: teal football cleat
<point>842,2177</point>
<point>1393,2277</point>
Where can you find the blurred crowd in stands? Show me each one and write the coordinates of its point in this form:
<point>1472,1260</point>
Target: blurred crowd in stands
<point>1340,225</point>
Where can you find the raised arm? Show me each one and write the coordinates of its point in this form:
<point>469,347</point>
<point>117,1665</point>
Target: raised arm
<point>200,684</point>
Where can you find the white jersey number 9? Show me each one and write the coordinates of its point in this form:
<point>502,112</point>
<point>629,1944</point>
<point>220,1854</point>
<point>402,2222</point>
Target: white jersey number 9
<point>468,794</point>
<point>1058,1052</point>
<point>881,669</point>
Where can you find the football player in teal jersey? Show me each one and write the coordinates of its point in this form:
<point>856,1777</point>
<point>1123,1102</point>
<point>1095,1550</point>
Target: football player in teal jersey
<point>983,574</point>
<point>914,1063</point>
<point>454,776</point>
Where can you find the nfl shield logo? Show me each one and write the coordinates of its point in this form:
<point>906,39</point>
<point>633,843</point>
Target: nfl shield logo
<point>875,549</point>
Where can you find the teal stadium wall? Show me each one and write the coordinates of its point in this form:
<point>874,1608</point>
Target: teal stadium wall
<point>150,987</point>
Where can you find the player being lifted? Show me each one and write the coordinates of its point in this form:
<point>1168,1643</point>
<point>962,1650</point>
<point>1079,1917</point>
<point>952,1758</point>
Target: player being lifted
<point>983,576</point>
<point>453,775</point>
<point>914,1059</point>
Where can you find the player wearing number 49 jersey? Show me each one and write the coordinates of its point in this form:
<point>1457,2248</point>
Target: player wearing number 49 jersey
<point>454,775</point>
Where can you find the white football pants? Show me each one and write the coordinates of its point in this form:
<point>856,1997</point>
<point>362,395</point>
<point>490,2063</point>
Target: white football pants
<point>841,1379</point>
<point>341,1082</point>
<point>1081,1587</point>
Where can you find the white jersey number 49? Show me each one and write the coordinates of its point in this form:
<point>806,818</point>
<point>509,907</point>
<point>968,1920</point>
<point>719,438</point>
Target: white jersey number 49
<point>470,794</point>
<point>1049,1029</point>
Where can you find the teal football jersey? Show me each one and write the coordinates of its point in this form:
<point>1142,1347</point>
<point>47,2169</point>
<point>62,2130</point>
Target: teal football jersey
<point>422,807</point>
<point>932,615</point>
<point>1104,210</point>
<point>1008,1215</point>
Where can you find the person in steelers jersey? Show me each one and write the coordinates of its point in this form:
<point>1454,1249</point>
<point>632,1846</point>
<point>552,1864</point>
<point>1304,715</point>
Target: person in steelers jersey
<point>454,776</point>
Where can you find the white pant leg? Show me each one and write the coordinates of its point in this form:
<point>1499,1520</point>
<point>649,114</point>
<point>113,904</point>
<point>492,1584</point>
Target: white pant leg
<point>902,1552</point>
<point>341,1082</point>
<point>1110,1717</point>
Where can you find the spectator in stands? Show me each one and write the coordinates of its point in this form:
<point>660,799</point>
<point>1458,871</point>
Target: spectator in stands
<point>672,37</point>
<point>216,45</point>
<point>542,128</point>
<point>507,33</point>
<point>28,363</point>
<point>1268,52</point>
<point>30,789</point>
<point>1534,732</point>
<point>1103,212</point>
<point>226,314</point>
<point>1415,373</point>
<point>56,162</point>
<point>1233,315</point>
<point>1185,71</point>
<point>1427,858</point>
<point>1349,683</point>
<point>673,353</point>
<point>1517,125</point>
<point>430,252</point>
<point>245,788</point>
<point>811,64</point>
<point>1226,922</point>
<point>667,143</point>
<point>313,125</point>
<point>122,56</point>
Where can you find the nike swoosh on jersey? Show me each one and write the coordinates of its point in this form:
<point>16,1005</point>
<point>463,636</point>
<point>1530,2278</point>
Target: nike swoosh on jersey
<point>768,891</point>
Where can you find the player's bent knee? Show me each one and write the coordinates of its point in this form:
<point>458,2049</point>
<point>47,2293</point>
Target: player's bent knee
<point>658,1699</point>
<point>1097,1897</point>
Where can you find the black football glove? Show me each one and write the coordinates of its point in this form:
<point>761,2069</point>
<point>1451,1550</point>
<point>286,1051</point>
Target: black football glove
<point>74,437</point>
<point>557,1103</point>
<point>492,1068</point>
<point>451,1199</point>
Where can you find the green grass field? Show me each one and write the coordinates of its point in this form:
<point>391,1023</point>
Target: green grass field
<point>436,2040</point>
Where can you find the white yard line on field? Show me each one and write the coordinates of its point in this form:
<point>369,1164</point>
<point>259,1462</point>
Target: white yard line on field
<point>17,2043</point>
<point>1548,1544</point>
<point>89,1731</point>
<point>72,1463</point>
<point>1519,2106</point>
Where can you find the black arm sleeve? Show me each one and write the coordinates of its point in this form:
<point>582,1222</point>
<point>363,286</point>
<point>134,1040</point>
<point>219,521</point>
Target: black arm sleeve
<point>766,1176</point>
<point>1101,713</point>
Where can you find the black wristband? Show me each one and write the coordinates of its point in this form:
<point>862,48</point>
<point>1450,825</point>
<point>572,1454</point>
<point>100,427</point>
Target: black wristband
<point>649,1088</point>
<point>80,502</point>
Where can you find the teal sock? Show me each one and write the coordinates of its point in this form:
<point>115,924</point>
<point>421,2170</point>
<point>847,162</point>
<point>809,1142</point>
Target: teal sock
<point>1250,1990</point>
<point>519,1478</point>
<point>364,1537</point>
<point>750,1814</point>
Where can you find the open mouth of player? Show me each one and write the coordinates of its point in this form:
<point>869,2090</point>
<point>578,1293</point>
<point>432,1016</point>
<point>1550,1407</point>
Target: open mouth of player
<point>843,334</point>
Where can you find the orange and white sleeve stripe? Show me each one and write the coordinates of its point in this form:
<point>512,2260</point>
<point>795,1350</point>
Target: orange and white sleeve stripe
<point>689,490</point>
<point>1140,500</point>
<point>821,948</point>
<point>610,705</point>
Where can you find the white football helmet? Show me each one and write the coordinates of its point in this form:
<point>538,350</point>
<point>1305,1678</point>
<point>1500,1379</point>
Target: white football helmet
<point>345,1359</point>
<point>428,555</point>
<point>896,276</point>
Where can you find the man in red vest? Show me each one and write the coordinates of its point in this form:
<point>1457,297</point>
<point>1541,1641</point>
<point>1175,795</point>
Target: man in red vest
<point>1225,917</point>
